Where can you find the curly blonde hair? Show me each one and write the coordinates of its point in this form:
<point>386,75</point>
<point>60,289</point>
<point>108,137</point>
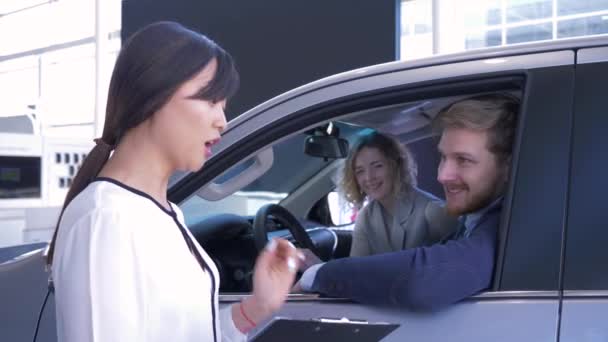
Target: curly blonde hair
<point>402,167</point>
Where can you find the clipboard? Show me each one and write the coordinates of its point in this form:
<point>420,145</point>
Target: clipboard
<point>281,329</point>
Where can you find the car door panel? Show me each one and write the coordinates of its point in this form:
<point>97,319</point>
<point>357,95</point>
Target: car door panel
<point>483,318</point>
<point>584,317</point>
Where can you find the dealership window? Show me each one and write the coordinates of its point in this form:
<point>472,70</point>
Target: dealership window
<point>459,25</point>
<point>586,26</point>
<point>569,7</point>
<point>416,29</point>
<point>525,10</point>
<point>49,63</point>
<point>529,33</point>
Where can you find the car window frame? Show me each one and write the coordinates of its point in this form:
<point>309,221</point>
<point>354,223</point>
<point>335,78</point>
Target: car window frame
<point>364,97</point>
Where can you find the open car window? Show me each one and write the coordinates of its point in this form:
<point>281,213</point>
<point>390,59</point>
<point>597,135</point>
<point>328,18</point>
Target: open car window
<point>304,185</point>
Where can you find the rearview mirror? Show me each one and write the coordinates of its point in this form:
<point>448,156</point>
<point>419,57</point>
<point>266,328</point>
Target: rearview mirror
<point>326,146</point>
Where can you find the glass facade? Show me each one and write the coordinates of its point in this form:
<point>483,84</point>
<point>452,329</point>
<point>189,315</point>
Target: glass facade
<point>529,33</point>
<point>417,28</point>
<point>483,39</point>
<point>51,64</point>
<point>460,25</point>
<point>526,10</point>
<point>570,7</point>
<point>583,26</point>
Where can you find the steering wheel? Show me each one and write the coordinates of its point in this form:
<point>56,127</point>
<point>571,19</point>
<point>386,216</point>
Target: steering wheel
<point>278,213</point>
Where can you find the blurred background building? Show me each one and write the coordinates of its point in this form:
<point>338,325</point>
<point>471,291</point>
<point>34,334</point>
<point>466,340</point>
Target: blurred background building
<point>57,55</point>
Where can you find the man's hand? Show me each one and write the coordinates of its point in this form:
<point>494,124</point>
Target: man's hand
<point>310,259</point>
<point>308,278</point>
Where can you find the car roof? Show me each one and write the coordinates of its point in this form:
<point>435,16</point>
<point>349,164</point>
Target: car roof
<point>470,55</point>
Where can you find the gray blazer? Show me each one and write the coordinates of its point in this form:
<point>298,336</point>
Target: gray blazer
<point>419,219</point>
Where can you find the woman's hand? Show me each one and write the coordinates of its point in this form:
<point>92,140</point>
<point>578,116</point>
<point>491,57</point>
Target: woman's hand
<point>273,276</point>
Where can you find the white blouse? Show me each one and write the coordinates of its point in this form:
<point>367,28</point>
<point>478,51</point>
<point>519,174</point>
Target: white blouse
<point>123,271</point>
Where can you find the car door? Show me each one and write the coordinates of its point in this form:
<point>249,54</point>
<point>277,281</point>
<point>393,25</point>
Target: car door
<point>525,291</point>
<point>585,279</point>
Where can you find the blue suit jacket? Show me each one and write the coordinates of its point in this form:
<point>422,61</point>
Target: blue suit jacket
<point>422,278</point>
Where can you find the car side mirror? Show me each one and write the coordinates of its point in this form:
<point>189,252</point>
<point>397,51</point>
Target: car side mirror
<point>326,146</point>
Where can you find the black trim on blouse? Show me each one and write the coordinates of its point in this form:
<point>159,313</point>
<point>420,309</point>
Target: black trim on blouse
<point>135,191</point>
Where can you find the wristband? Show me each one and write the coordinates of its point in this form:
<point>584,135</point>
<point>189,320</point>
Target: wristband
<point>249,320</point>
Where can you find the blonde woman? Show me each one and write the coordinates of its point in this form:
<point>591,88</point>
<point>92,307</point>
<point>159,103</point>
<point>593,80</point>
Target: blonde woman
<point>398,215</point>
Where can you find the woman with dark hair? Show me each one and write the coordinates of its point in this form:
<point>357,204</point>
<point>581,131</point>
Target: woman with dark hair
<point>398,215</point>
<point>125,268</point>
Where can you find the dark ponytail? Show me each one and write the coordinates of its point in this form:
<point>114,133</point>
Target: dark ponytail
<point>89,169</point>
<point>150,67</point>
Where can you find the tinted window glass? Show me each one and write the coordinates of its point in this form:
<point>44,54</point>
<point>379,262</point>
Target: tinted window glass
<point>534,237</point>
<point>587,231</point>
